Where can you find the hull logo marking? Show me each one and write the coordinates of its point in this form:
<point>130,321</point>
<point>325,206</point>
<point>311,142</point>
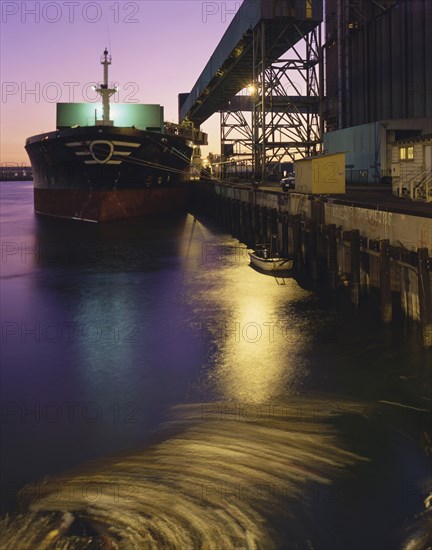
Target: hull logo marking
<point>108,153</point>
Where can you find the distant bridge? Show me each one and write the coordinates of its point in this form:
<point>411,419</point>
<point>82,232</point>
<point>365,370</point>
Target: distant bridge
<point>16,173</point>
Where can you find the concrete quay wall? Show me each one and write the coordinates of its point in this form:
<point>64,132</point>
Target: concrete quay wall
<point>341,243</point>
<point>405,230</point>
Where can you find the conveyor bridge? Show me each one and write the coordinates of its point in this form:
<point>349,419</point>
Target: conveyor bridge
<point>250,53</point>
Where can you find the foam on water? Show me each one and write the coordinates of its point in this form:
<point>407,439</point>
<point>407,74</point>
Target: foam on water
<point>216,482</point>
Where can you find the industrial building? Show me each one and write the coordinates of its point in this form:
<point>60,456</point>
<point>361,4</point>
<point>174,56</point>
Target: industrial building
<point>364,87</point>
<point>411,167</point>
<point>378,71</point>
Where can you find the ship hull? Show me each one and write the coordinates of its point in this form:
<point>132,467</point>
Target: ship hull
<point>102,206</point>
<point>108,173</point>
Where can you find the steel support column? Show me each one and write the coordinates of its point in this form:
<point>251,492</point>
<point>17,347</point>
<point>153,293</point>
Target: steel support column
<point>286,121</point>
<point>282,130</point>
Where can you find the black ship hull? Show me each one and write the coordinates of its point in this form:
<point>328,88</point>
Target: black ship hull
<point>103,173</point>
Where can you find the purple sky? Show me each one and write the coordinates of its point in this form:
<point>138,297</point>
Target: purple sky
<point>160,52</point>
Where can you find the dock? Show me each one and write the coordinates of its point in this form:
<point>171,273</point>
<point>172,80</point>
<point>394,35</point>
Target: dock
<point>365,239</point>
<point>375,235</point>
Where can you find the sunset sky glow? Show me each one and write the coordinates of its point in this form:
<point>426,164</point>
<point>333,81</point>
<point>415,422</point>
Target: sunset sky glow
<point>50,52</point>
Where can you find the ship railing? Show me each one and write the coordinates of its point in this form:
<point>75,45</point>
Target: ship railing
<point>188,131</point>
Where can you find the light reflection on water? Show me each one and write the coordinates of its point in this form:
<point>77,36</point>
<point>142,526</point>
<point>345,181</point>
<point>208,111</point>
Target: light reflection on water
<point>255,354</point>
<point>209,329</point>
<point>217,483</point>
<point>259,355</point>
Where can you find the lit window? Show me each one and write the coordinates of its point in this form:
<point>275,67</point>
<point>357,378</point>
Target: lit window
<point>406,153</point>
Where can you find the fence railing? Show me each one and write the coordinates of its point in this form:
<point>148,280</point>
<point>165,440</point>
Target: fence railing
<point>417,187</point>
<point>423,190</point>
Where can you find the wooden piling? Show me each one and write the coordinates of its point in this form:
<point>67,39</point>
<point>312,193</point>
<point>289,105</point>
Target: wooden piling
<point>317,211</point>
<point>355,267</point>
<point>231,216</point>
<point>285,236</point>
<point>268,232</point>
<point>263,224</point>
<point>332,263</point>
<point>313,250</point>
<point>239,217</point>
<point>250,241</point>
<point>385,281</point>
<point>279,232</point>
<point>221,210</point>
<point>218,208</point>
<point>225,212</point>
<point>256,224</point>
<point>243,221</point>
<point>236,228</point>
<point>297,241</point>
<point>424,295</point>
<point>302,238</point>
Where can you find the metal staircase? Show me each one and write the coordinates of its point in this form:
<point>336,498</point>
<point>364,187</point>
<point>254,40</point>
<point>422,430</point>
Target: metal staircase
<point>418,187</point>
<point>422,191</point>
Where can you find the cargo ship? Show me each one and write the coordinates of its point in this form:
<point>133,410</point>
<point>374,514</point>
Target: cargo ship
<point>126,163</point>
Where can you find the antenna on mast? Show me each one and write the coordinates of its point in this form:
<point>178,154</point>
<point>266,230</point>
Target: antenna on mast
<point>104,91</point>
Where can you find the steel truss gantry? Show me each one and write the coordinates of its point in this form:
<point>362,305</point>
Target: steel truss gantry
<point>286,106</point>
<point>236,137</point>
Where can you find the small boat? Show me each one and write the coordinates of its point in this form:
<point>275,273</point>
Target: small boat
<point>266,257</point>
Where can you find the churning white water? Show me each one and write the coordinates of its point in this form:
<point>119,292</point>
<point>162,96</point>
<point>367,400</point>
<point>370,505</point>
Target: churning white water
<point>215,484</point>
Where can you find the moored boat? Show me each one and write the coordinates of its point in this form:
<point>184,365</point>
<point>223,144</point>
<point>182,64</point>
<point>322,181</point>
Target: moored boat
<point>99,169</point>
<point>267,258</point>
<point>270,263</point>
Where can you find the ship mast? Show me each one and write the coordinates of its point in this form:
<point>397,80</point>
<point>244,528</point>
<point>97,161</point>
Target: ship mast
<point>105,92</point>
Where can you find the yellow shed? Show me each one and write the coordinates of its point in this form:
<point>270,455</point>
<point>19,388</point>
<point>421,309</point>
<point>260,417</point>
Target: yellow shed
<point>320,175</point>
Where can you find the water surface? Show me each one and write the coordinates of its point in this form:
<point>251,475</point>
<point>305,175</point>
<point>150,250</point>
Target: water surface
<point>168,395</point>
